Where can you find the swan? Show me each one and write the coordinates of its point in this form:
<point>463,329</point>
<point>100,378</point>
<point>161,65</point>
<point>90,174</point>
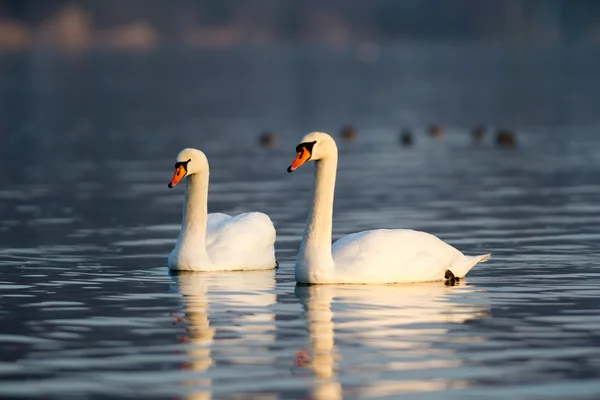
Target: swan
<point>369,257</point>
<point>217,242</point>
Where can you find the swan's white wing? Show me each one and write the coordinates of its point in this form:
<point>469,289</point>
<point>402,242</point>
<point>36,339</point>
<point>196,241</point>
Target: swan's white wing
<point>400,255</point>
<point>213,224</point>
<point>245,241</point>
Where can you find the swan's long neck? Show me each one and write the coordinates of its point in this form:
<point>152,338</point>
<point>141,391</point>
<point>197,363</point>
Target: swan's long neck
<point>195,207</point>
<point>315,249</point>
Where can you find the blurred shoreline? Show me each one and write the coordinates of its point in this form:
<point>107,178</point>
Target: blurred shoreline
<point>72,30</point>
<point>72,27</point>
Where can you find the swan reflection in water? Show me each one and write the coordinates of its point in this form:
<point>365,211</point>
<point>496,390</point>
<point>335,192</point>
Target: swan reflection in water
<point>389,328</point>
<point>242,301</point>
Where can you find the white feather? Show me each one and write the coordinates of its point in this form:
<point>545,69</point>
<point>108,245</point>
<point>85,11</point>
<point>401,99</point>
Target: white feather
<point>244,240</point>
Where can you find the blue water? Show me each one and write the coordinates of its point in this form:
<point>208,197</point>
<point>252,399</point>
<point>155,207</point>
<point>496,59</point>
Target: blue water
<point>87,146</point>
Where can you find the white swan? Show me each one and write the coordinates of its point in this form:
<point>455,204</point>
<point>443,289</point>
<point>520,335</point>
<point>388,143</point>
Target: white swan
<point>217,242</point>
<point>376,256</point>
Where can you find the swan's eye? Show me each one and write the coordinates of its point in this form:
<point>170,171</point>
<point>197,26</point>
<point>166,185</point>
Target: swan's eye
<point>308,146</point>
<point>182,164</point>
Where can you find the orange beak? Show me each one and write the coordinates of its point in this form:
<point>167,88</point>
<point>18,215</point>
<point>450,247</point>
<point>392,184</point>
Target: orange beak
<point>302,157</point>
<point>179,174</point>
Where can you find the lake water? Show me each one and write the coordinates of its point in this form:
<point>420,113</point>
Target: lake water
<point>87,147</point>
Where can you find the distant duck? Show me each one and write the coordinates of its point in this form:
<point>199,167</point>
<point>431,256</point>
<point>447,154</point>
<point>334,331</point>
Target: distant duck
<point>268,139</point>
<point>348,133</point>
<point>436,131</point>
<point>478,133</point>
<point>506,138</point>
<point>406,137</point>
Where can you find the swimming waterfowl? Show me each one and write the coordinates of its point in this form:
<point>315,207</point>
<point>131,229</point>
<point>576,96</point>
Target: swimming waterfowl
<point>478,133</point>
<point>267,139</point>
<point>375,256</point>
<point>348,132</point>
<point>505,138</point>
<point>436,131</point>
<point>406,137</point>
<point>216,242</point>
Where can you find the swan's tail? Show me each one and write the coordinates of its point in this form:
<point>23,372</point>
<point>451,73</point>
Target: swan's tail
<point>462,267</point>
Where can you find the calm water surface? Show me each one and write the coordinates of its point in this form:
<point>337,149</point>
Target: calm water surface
<point>88,308</point>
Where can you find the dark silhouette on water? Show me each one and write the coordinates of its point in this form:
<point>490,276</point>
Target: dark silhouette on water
<point>436,131</point>
<point>478,133</point>
<point>506,138</point>
<point>406,137</point>
<point>268,139</point>
<point>348,133</point>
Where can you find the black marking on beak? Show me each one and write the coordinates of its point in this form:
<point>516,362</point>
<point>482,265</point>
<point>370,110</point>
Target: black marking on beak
<point>183,164</point>
<point>306,145</point>
<point>301,148</point>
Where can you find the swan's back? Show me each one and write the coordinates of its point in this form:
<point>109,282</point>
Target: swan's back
<point>246,240</point>
<point>393,256</point>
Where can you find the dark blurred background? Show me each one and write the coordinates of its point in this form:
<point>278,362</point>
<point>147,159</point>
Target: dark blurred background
<point>146,23</point>
<point>98,79</point>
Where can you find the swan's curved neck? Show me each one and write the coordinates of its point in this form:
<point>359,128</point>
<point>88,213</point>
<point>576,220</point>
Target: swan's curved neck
<point>195,208</point>
<point>315,249</point>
